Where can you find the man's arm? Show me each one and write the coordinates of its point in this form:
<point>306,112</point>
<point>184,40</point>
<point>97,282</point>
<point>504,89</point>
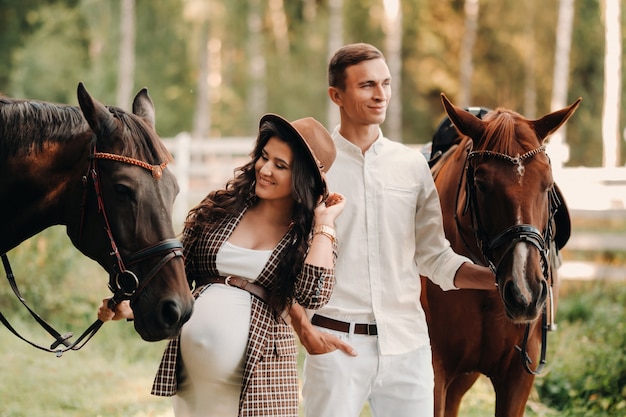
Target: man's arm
<point>477,277</point>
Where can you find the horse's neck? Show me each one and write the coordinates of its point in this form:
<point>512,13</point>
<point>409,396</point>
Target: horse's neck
<point>41,188</point>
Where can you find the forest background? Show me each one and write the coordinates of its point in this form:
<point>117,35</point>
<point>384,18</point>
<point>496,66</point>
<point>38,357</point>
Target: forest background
<point>214,67</point>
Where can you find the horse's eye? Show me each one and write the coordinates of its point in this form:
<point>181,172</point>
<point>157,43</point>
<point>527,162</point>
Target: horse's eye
<point>123,191</point>
<point>481,186</point>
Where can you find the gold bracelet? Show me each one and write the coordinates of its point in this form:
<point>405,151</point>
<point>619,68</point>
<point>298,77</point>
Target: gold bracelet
<point>325,230</point>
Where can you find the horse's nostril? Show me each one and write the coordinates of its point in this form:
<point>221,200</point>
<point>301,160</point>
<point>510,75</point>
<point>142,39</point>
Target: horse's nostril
<point>170,313</point>
<point>509,292</point>
<point>544,292</point>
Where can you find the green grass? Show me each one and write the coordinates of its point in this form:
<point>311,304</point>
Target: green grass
<point>112,375</point>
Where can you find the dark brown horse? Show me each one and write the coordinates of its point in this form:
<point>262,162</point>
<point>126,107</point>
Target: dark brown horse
<point>101,172</point>
<point>502,209</point>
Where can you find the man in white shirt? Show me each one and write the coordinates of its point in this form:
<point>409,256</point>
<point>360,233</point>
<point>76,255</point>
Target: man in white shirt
<point>390,233</point>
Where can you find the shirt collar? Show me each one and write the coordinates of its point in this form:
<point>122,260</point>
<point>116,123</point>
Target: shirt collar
<point>344,144</point>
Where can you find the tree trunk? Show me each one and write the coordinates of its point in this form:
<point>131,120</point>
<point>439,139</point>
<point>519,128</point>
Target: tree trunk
<point>530,79</point>
<point>257,96</point>
<point>557,146</point>
<point>472,8</point>
<point>279,26</point>
<point>202,116</point>
<point>612,84</point>
<point>335,41</point>
<point>393,54</point>
<point>126,63</point>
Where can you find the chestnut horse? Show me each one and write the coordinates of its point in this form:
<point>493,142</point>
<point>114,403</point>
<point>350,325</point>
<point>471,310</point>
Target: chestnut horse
<point>102,173</point>
<point>501,209</point>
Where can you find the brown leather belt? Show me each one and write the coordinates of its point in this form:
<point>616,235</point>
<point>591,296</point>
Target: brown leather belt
<point>238,282</point>
<point>342,326</point>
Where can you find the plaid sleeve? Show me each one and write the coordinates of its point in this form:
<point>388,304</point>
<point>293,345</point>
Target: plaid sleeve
<point>165,383</point>
<point>314,286</point>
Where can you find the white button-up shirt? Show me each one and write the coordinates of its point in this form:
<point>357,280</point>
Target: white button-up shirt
<point>389,233</point>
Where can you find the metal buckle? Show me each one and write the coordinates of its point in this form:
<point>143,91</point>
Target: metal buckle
<point>227,281</point>
<point>372,330</point>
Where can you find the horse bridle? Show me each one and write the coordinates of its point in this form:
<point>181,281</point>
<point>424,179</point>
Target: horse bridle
<point>509,238</point>
<point>124,283</point>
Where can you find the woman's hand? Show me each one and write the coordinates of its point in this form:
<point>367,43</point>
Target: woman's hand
<point>122,311</point>
<point>327,211</point>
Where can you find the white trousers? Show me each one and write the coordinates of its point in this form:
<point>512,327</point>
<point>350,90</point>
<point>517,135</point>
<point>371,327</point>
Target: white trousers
<point>338,385</point>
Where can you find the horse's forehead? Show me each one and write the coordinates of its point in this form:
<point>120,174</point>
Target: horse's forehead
<point>508,132</point>
<point>525,131</point>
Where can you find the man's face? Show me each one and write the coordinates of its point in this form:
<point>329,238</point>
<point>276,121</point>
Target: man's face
<point>367,93</point>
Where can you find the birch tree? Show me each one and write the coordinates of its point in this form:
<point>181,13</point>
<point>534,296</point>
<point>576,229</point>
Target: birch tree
<point>530,81</point>
<point>335,41</point>
<point>257,95</point>
<point>557,146</point>
<point>197,12</point>
<point>467,68</point>
<point>612,84</point>
<point>126,60</point>
<point>393,55</point>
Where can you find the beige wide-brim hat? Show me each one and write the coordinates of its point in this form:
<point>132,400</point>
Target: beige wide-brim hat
<point>312,136</point>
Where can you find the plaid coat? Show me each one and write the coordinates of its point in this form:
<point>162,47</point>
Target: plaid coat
<point>270,377</point>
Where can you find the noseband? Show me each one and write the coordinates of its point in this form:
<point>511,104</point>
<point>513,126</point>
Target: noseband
<point>124,283</point>
<point>508,238</point>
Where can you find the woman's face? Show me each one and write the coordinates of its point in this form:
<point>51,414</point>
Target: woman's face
<point>274,170</point>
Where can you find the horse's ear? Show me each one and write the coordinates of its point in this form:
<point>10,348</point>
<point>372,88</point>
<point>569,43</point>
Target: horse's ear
<point>549,123</point>
<point>143,107</point>
<point>465,122</point>
<point>97,115</point>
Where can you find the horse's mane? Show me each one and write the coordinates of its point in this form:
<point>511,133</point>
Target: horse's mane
<point>26,125</point>
<point>504,133</point>
<point>147,145</point>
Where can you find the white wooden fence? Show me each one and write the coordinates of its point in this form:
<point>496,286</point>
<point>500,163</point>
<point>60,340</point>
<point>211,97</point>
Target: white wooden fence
<point>204,165</point>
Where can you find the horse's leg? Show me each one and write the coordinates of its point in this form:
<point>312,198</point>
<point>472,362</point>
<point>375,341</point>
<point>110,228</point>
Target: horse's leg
<point>440,387</point>
<point>512,392</point>
<point>456,390</point>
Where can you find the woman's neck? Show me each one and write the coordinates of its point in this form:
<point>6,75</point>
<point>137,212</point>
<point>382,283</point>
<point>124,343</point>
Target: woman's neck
<point>275,212</point>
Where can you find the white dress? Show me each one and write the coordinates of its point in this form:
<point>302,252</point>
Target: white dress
<point>213,342</point>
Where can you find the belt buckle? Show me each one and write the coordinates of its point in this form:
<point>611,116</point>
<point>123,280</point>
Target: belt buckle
<point>227,281</point>
<point>372,330</point>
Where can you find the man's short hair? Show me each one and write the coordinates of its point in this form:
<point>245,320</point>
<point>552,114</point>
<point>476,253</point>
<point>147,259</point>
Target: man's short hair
<point>347,56</point>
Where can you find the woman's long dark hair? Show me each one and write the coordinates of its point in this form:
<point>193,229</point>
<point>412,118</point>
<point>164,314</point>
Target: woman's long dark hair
<point>239,194</point>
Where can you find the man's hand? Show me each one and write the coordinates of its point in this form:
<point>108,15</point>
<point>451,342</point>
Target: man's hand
<point>317,342</point>
<point>314,341</point>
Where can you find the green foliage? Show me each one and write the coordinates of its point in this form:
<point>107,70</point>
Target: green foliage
<point>587,375</point>
<point>52,54</point>
<point>48,46</point>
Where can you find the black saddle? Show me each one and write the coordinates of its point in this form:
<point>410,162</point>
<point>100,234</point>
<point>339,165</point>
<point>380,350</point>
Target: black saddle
<point>446,134</point>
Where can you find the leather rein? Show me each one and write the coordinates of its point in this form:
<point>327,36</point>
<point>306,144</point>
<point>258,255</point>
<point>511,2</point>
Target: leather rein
<point>123,283</point>
<point>508,239</point>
